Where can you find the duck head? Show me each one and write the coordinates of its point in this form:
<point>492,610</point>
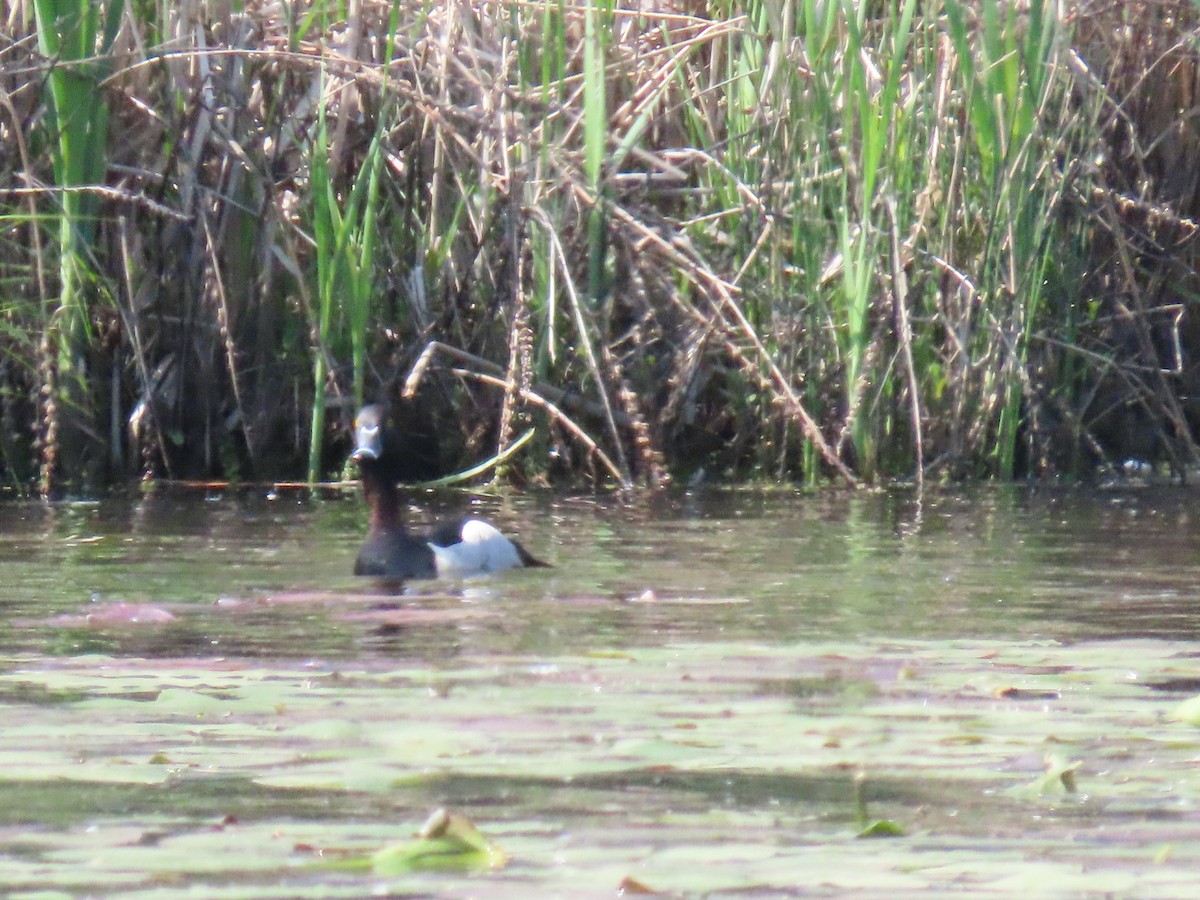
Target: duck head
<point>396,441</point>
<point>378,450</point>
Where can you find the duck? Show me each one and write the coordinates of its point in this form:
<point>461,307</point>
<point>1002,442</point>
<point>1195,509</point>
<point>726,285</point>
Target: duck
<point>458,549</point>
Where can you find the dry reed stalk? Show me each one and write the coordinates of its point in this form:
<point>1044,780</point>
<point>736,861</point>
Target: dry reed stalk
<point>583,331</point>
<point>225,328</point>
<point>719,294</point>
<point>532,397</point>
<point>557,396</point>
<point>133,330</point>
<point>903,327</point>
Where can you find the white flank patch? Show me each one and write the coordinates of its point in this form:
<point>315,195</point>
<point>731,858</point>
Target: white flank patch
<point>482,549</point>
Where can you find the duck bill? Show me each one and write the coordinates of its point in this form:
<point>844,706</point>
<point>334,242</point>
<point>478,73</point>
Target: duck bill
<point>367,444</point>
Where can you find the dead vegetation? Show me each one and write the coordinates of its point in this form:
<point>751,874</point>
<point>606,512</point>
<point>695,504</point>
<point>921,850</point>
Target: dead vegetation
<point>683,240</point>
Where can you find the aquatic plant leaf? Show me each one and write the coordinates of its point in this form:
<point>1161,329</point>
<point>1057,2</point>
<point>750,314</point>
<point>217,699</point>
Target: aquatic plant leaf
<point>1058,779</point>
<point>447,841</point>
<point>1188,711</point>
<point>881,828</point>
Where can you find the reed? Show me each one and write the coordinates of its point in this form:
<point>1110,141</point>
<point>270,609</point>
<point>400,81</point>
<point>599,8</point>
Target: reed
<point>754,238</point>
<point>873,148</point>
<point>1006,64</point>
<point>77,37</point>
<point>346,264</point>
<point>595,138</point>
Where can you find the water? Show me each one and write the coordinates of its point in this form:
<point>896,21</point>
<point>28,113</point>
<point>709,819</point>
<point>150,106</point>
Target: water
<point>698,677</point>
<point>775,566</point>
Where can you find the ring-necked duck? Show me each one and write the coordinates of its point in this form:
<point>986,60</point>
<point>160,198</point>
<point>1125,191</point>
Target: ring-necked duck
<point>463,548</point>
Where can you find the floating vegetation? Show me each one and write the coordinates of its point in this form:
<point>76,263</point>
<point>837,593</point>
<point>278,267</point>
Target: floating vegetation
<point>910,695</point>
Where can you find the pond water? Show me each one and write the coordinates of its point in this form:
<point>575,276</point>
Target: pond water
<point>754,693</point>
